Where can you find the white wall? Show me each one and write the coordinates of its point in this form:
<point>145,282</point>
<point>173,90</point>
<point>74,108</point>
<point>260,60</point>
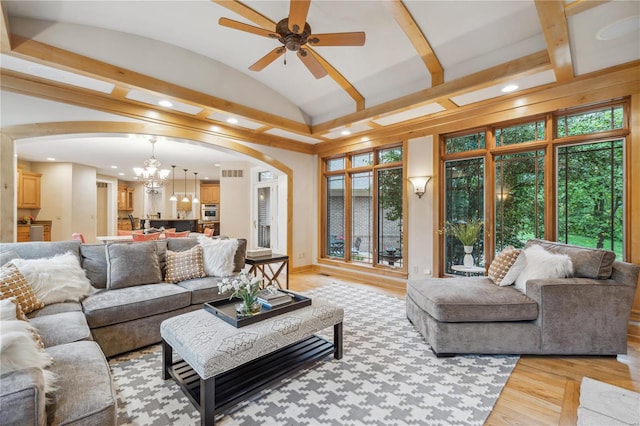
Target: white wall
<point>56,199</point>
<point>84,199</point>
<point>235,193</point>
<point>421,232</point>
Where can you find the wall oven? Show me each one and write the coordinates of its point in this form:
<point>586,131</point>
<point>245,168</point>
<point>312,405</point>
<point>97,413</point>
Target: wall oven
<point>210,212</point>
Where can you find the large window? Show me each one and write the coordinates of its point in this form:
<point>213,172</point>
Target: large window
<point>519,205</point>
<point>464,202</point>
<point>591,195</point>
<point>363,212</point>
<point>527,182</point>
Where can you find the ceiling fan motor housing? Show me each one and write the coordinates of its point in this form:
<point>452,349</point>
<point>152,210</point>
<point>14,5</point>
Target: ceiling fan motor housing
<point>290,40</point>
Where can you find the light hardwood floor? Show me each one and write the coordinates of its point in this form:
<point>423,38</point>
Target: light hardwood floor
<point>542,390</point>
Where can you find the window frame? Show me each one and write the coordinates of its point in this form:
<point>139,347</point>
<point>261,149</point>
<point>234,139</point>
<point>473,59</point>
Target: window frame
<point>549,145</point>
<point>348,172</point>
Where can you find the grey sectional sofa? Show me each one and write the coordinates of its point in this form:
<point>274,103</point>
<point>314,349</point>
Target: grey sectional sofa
<point>587,314</point>
<point>123,314</point>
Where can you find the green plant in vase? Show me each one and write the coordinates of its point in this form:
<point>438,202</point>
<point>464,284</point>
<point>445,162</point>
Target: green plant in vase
<point>465,231</point>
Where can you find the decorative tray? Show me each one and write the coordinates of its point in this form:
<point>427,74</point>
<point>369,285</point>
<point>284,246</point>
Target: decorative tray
<point>225,309</point>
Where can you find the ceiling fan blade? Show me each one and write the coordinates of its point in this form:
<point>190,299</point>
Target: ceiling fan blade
<point>267,59</point>
<point>337,39</point>
<point>298,10</point>
<point>225,22</point>
<point>312,63</point>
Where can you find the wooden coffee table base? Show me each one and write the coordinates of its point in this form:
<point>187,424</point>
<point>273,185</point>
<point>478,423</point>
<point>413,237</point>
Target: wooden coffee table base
<point>225,390</point>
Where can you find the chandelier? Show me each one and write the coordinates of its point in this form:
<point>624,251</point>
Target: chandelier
<point>151,176</point>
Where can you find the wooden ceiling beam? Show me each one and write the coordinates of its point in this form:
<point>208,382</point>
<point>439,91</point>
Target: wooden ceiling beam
<point>527,65</point>
<point>261,20</point>
<point>46,89</point>
<point>50,55</point>
<point>556,35</point>
<point>406,22</point>
<point>5,38</point>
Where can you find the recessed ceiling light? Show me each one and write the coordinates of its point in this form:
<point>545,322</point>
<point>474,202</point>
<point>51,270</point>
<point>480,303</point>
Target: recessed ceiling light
<point>165,103</point>
<point>51,159</point>
<point>509,88</point>
<point>619,28</point>
<point>345,132</point>
<point>232,120</point>
<point>216,164</point>
<point>114,167</point>
<point>120,174</point>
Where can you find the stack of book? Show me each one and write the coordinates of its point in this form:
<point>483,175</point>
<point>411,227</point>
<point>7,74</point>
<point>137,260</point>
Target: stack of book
<point>270,299</point>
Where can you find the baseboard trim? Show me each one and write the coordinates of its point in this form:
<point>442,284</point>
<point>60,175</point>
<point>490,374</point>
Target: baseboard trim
<point>366,278</point>
<point>301,269</point>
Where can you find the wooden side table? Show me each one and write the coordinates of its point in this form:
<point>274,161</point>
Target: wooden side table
<point>269,267</point>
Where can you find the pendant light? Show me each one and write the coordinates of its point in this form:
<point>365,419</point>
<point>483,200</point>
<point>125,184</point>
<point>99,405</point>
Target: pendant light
<point>173,192</point>
<point>195,188</point>
<point>185,199</point>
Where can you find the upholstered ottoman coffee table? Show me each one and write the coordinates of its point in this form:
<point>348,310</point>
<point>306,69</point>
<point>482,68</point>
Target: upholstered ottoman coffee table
<point>222,365</point>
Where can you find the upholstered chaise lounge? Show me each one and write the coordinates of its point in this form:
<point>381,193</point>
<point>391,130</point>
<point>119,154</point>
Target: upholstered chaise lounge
<point>586,314</point>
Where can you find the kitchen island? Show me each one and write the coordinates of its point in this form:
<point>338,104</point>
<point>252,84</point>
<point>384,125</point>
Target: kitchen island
<point>179,224</point>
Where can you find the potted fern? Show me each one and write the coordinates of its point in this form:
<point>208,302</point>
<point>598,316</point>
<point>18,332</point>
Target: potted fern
<point>465,231</point>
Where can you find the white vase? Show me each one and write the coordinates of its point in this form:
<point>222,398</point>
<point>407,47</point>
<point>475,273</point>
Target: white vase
<point>468,258</point>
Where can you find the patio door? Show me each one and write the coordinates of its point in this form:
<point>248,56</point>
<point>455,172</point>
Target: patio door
<point>265,223</point>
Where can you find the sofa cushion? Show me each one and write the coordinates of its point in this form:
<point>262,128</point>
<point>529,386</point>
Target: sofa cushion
<point>56,279</point>
<point>38,249</point>
<point>184,265</point>
<point>115,306</point>
<point>56,308</point>
<point>14,284</point>
<point>541,264</point>
<point>131,264</point>
<point>587,262</point>
<point>473,299</point>
<point>94,263</point>
<point>506,266</point>
<point>87,395</point>
<point>203,289</point>
<point>61,328</point>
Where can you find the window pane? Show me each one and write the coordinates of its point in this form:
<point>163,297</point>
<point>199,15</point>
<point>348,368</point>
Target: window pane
<point>362,160</point>
<point>390,191</point>
<point>335,164</point>
<point>527,132</point>
<point>591,195</point>
<point>392,155</point>
<point>265,176</point>
<point>361,216</point>
<point>335,216</point>
<point>464,201</point>
<point>590,122</point>
<point>519,198</point>
<point>465,142</point>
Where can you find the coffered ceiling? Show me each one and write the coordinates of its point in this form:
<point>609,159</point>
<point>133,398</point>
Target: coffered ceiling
<point>421,59</point>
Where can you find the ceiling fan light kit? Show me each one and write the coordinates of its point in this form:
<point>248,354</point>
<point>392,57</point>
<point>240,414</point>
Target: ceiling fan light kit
<point>294,33</point>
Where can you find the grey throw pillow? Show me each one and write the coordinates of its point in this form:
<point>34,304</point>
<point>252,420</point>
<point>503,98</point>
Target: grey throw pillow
<point>94,263</point>
<point>131,264</point>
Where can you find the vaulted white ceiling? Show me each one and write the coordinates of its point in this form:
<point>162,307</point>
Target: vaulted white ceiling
<point>182,44</point>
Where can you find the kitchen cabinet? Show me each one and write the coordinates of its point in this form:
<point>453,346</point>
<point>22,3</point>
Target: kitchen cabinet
<point>24,231</point>
<point>28,190</point>
<point>209,193</point>
<point>124,225</point>
<point>125,197</point>
<point>184,205</point>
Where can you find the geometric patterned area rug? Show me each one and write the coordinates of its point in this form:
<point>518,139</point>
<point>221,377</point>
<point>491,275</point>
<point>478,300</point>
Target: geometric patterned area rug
<point>387,376</point>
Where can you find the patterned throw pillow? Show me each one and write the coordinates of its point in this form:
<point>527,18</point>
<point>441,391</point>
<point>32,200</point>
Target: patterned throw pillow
<point>14,284</point>
<point>184,265</point>
<point>506,266</point>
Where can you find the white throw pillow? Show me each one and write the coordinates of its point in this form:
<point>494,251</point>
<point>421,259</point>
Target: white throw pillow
<point>56,279</point>
<point>18,350</point>
<point>218,256</point>
<point>542,264</point>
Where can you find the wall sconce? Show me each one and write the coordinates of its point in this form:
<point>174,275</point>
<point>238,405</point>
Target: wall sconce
<point>419,184</point>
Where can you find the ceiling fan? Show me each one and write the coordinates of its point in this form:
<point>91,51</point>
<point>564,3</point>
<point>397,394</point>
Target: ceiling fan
<point>295,33</point>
